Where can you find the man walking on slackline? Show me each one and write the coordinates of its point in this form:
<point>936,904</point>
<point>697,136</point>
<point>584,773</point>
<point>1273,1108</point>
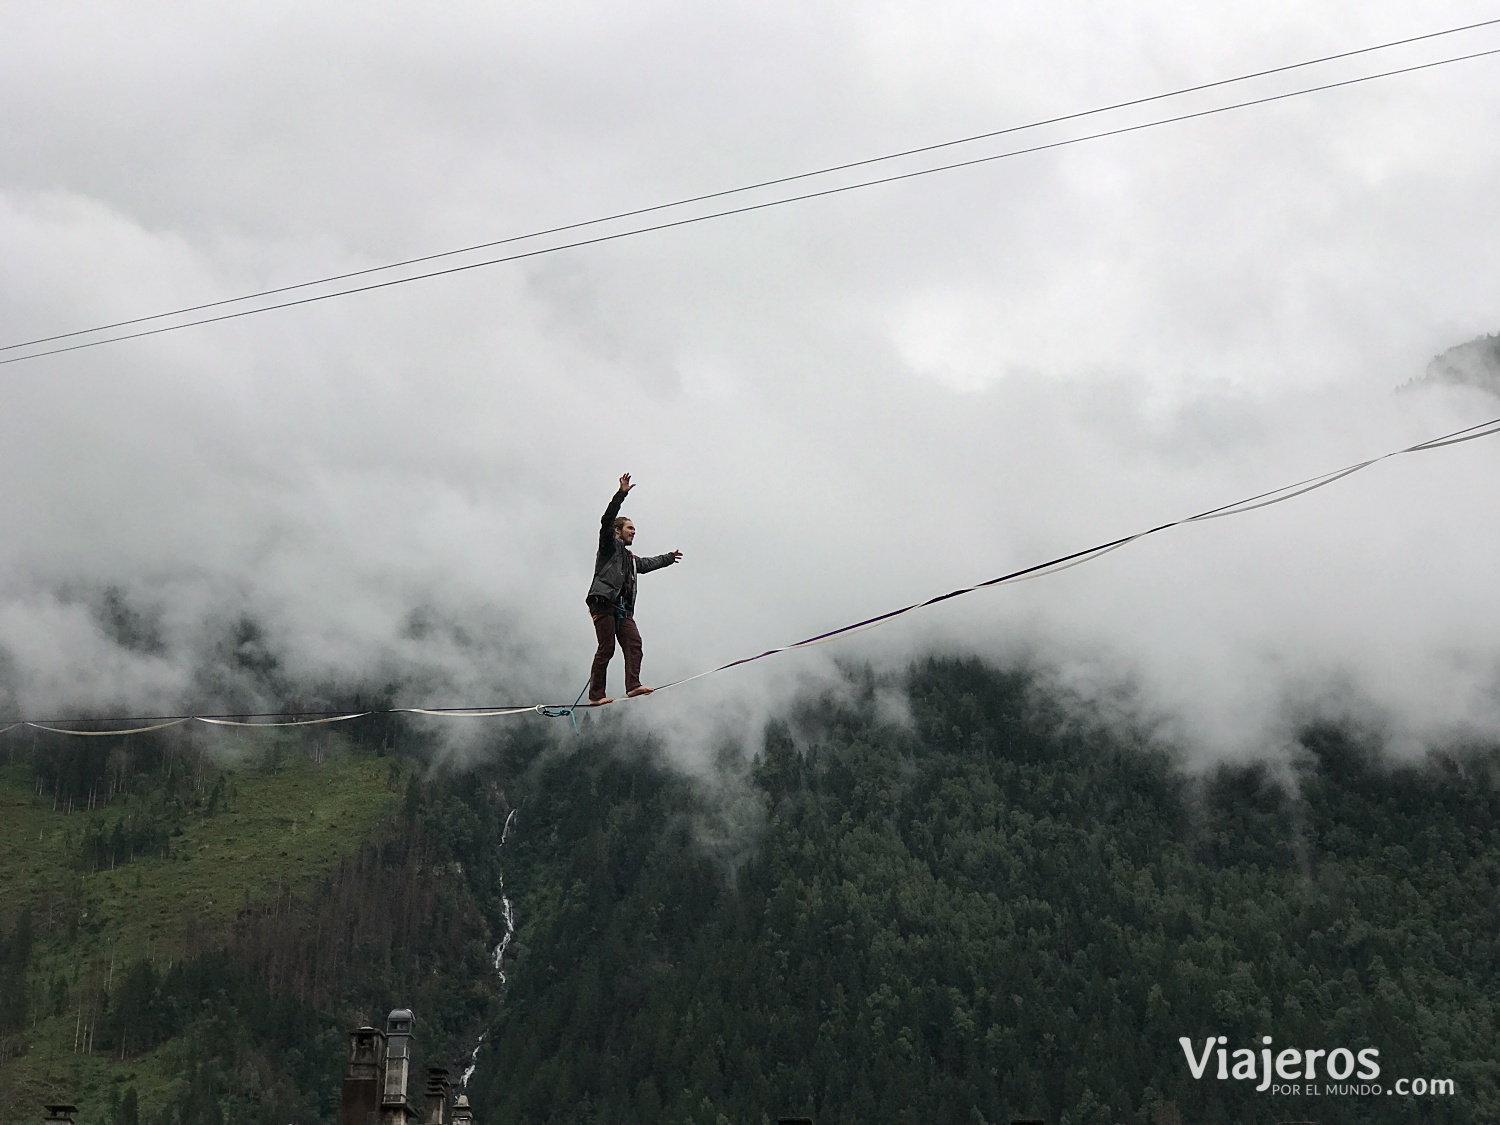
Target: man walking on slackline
<point>611,599</point>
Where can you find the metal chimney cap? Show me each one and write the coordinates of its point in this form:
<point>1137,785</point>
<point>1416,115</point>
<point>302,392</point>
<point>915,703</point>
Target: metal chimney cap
<point>462,1102</point>
<point>400,1022</point>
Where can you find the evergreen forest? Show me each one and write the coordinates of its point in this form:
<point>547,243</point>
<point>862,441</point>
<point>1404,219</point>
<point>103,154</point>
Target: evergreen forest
<point>981,905</point>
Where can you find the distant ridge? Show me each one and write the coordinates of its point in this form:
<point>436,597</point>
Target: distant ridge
<point>1472,364</point>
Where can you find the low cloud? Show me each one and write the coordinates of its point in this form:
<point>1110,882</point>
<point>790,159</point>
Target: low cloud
<point>833,409</point>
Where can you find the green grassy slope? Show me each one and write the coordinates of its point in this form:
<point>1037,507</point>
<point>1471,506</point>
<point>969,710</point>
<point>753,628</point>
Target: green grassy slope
<point>286,823</point>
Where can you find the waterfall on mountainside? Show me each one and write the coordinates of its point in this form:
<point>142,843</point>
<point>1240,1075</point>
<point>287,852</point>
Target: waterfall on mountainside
<point>509,915</point>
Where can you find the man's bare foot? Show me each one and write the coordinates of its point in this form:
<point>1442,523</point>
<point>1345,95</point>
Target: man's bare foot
<point>642,690</point>
<point>601,701</point>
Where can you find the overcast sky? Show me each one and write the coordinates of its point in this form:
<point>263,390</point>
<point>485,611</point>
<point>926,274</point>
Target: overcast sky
<point>832,408</point>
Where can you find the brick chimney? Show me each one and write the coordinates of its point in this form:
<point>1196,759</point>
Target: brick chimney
<point>437,1096</point>
<point>394,1107</point>
<point>362,1078</point>
<point>60,1114</point>
<point>462,1114</point>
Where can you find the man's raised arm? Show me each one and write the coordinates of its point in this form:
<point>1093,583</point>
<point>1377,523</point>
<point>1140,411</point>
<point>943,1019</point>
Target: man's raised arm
<point>607,521</point>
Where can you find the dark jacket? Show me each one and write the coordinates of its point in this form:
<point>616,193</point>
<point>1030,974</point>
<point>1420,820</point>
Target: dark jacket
<point>615,567</point>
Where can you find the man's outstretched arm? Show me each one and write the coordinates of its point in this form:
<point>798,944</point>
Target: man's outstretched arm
<point>656,562</point>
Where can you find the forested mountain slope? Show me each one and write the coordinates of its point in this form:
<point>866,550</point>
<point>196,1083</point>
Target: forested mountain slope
<point>997,912</point>
<point>997,909</point>
<point>193,946</point>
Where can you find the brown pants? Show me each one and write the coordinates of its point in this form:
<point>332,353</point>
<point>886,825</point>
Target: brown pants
<point>606,628</point>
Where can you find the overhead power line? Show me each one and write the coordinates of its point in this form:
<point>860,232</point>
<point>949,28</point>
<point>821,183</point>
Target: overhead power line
<point>763,183</point>
<point>1025,574</point>
<point>656,208</point>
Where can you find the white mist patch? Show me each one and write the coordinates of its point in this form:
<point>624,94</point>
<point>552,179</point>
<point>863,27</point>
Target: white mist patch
<point>56,656</point>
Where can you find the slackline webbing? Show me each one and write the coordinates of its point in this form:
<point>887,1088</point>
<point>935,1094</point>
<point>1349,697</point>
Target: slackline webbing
<point>1089,554</point>
<point>212,720</point>
<point>1026,574</point>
